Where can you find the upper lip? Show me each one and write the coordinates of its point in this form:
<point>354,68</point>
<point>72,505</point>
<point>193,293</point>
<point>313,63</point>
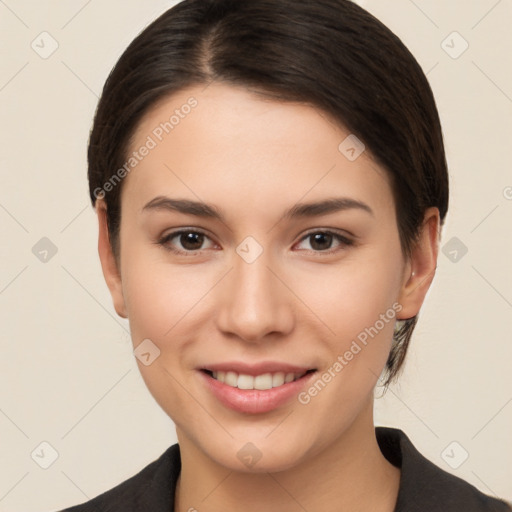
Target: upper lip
<point>256,368</point>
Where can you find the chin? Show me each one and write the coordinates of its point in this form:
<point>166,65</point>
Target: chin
<point>258,456</point>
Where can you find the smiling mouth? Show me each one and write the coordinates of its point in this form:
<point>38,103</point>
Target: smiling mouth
<point>261,382</point>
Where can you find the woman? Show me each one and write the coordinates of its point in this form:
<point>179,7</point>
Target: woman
<point>270,184</point>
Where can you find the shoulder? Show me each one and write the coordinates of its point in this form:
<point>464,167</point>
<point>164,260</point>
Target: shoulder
<point>426,487</point>
<point>152,488</point>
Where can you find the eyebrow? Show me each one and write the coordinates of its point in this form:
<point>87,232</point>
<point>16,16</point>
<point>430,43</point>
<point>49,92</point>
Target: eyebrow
<point>300,210</point>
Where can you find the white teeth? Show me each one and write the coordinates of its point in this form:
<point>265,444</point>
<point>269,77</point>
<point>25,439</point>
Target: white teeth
<point>263,381</point>
<point>289,377</point>
<point>231,379</point>
<point>245,382</point>
<point>277,379</point>
<point>260,382</point>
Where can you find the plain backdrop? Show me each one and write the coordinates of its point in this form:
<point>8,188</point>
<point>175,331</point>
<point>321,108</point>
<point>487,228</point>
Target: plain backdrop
<point>70,387</point>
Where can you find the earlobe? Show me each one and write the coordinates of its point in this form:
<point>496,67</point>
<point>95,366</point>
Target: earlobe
<point>111,272</point>
<point>421,267</point>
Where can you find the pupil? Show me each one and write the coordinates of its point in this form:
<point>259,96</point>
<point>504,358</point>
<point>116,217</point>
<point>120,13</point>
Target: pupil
<point>191,238</point>
<point>319,237</point>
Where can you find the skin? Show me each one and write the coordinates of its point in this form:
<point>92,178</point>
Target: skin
<point>253,159</point>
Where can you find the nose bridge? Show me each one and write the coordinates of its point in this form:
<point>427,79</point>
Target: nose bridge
<point>253,303</point>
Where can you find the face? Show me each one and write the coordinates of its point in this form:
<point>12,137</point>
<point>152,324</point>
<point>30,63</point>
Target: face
<point>257,289</point>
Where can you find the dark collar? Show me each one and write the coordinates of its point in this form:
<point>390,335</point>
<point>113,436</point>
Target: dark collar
<point>424,487</point>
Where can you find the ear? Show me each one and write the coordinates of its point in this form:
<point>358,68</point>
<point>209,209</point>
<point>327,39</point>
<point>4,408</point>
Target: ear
<point>421,267</point>
<point>109,266</point>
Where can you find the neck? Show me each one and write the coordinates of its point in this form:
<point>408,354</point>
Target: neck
<point>350,474</point>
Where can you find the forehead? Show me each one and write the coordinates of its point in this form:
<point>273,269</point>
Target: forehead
<point>229,144</point>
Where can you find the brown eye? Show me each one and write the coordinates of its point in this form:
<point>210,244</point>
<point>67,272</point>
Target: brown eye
<point>191,241</point>
<point>187,240</point>
<point>321,241</point>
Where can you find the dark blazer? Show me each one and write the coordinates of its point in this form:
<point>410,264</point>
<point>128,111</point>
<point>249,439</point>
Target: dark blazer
<point>424,487</point>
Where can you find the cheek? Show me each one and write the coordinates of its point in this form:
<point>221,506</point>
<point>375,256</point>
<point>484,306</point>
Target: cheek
<point>158,300</point>
<point>356,302</point>
<point>157,294</point>
<point>353,294</point>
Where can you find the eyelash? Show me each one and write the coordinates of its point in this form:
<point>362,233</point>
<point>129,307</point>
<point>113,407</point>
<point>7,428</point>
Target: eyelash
<point>164,241</point>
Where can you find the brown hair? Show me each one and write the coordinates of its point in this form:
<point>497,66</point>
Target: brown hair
<point>331,54</point>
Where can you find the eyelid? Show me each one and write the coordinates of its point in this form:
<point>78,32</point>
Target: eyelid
<point>332,231</point>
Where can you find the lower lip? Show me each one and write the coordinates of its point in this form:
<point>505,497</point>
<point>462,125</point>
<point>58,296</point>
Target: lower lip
<point>255,401</point>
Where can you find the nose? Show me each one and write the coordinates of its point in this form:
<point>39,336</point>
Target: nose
<point>253,301</point>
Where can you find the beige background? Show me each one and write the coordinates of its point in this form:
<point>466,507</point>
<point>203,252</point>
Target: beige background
<point>68,375</point>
